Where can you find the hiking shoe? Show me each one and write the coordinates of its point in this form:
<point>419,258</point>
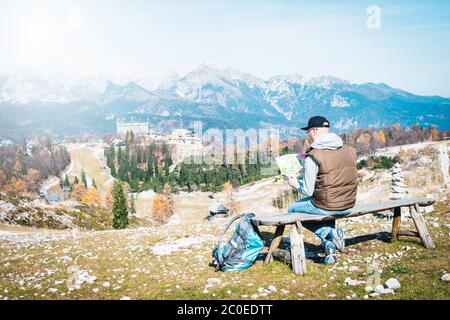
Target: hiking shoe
<point>337,237</point>
<point>330,252</point>
<point>330,259</point>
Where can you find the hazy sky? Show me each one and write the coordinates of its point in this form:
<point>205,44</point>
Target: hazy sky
<point>410,50</point>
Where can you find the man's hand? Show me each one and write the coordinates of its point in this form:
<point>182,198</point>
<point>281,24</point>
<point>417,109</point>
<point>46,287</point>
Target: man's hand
<point>293,182</point>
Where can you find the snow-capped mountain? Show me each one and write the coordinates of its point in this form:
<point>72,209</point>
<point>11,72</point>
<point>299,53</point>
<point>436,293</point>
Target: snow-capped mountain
<point>219,97</point>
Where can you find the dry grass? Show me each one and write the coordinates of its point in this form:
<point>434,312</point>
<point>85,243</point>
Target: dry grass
<point>126,259</point>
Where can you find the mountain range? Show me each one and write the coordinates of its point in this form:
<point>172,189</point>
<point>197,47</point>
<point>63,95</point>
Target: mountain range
<point>64,103</point>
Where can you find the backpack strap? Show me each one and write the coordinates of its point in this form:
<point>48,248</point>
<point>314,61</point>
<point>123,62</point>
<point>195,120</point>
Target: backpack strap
<point>219,251</point>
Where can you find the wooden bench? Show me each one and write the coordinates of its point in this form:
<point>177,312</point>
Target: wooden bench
<point>297,253</point>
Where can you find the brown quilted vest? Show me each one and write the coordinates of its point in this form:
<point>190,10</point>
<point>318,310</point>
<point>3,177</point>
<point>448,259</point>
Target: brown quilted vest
<point>337,179</point>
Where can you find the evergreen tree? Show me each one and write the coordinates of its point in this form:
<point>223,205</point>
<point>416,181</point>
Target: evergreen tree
<point>132,205</point>
<point>111,160</point>
<point>94,184</point>
<point>120,210</point>
<point>149,169</point>
<point>83,178</point>
<point>66,181</point>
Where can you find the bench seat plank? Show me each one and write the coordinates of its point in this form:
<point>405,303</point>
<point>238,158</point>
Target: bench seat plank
<point>359,210</point>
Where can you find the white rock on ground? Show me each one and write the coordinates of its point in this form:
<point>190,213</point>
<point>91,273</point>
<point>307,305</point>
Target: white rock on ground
<point>352,282</point>
<point>392,283</point>
<point>272,289</point>
<point>382,290</point>
<point>213,281</point>
<point>446,277</point>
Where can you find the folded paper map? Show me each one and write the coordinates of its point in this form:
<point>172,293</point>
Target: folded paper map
<point>290,165</point>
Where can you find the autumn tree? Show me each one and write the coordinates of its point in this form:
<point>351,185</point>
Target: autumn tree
<point>229,199</point>
<point>167,192</point>
<point>32,179</point>
<point>78,191</point>
<point>91,197</point>
<point>17,185</point>
<point>161,210</point>
<point>2,179</point>
<point>109,199</point>
<point>17,169</point>
<point>434,134</point>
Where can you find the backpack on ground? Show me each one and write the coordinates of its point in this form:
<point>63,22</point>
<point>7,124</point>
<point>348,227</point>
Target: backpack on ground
<point>241,250</point>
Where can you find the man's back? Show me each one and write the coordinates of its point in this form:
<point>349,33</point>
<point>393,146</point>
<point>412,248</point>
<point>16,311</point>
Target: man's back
<point>337,178</point>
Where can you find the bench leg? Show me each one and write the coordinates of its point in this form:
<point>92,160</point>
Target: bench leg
<point>421,227</point>
<point>275,243</point>
<point>298,250</point>
<point>396,223</point>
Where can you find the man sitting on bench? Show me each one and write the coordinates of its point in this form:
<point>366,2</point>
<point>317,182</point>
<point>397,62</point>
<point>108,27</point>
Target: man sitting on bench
<point>329,184</point>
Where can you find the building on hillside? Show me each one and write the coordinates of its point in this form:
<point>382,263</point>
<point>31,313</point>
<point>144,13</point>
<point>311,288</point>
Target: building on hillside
<point>118,142</point>
<point>139,129</point>
<point>183,136</point>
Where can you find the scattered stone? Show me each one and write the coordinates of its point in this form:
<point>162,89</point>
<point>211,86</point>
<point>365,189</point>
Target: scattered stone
<point>254,296</point>
<point>272,288</point>
<point>106,284</point>
<point>366,297</point>
<point>213,281</point>
<point>392,283</point>
<point>95,290</point>
<point>352,282</point>
<point>125,298</point>
<point>382,290</point>
<point>446,277</point>
<point>353,268</point>
<point>264,290</point>
<point>368,289</point>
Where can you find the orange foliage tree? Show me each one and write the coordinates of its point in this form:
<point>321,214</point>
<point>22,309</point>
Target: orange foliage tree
<point>78,191</point>
<point>108,200</point>
<point>92,197</point>
<point>163,206</point>
<point>2,179</point>
<point>32,179</point>
<point>17,185</point>
<point>229,200</point>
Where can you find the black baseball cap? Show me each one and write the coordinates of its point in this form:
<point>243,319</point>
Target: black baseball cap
<point>317,122</point>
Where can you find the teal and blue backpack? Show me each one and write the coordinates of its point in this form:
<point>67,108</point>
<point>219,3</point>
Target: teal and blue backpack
<point>241,250</point>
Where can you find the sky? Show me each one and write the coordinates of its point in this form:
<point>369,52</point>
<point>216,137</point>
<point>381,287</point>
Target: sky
<point>404,44</point>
